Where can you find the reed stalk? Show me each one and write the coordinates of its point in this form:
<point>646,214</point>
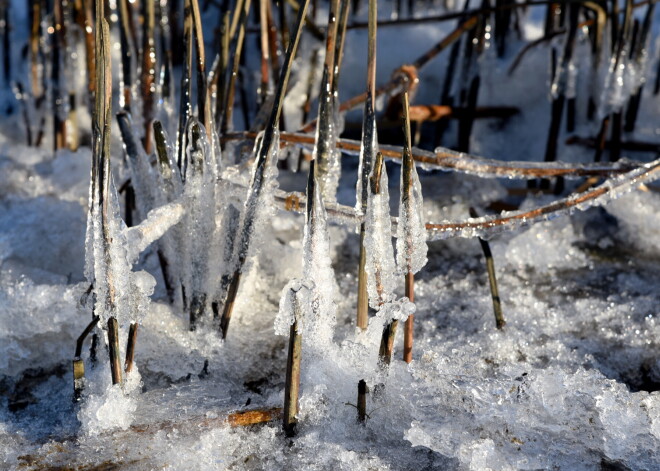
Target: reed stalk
<point>292,384</point>
<point>366,162</point>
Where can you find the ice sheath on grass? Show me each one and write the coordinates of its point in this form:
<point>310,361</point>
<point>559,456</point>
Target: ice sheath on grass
<point>199,197</point>
<point>411,245</point>
<point>368,151</point>
<point>307,306</point>
<point>380,266</point>
<point>264,166</point>
<point>326,154</point>
<point>121,295</point>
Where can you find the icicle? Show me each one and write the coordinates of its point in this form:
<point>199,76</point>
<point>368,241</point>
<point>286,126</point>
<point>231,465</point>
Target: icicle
<point>317,267</point>
<point>368,151</point>
<point>143,180</point>
<point>380,266</point>
<point>199,196</point>
<point>411,246</point>
<point>326,154</point>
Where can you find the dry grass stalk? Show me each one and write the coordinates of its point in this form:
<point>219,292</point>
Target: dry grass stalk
<point>84,19</point>
<point>78,364</point>
<point>242,7</point>
<point>101,174</point>
<point>492,278</point>
<point>218,77</point>
<point>272,41</point>
<point>325,132</point>
<point>35,48</point>
<point>59,94</point>
<point>389,332</point>
<point>265,48</point>
<point>408,167</point>
<point>203,101</point>
<point>368,139</point>
<point>405,76</point>
<point>292,384</point>
<point>130,347</point>
<point>113,350</point>
<point>185,107</point>
<point>362,402</point>
<point>148,80</point>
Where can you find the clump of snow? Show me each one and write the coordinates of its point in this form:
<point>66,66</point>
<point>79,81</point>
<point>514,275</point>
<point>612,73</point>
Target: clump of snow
<point>113,408</point>
<point>635,215</point>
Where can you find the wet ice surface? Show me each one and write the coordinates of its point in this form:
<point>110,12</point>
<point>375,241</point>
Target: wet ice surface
<point>570,383</point>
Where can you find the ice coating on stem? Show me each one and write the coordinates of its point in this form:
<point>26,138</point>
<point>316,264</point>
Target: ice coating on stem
<point>326,155</point>
<point>199,197</point>
<point>119,292</point>
<point>397,310</point>
<point>380,266</point>
<point>143,180</point>
<point>157,222</point>
<point>259,203</point>
<point>411,246</point>
<point>292,298</point>
<point>320,309</point>
<point>368,150</point>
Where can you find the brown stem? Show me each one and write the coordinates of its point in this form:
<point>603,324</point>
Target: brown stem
<point>113,348</point>
<point>130,347</point>
<point>410,322</point>
<point>362,402</point>
<point>292,385</point>
<point>363,297</point>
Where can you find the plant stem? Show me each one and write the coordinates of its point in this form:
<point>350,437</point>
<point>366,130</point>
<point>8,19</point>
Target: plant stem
<point>292,385</point>
<point>113,348</point>
<point>130,347</point>
<point>362,402</point>
<point>492,279</point>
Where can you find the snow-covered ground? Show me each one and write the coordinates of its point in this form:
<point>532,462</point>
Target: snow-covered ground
<point>570,383</point>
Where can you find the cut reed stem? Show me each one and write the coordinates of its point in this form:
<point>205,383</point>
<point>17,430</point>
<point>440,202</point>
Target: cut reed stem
<point>292,385</point>
<point>130,347</point>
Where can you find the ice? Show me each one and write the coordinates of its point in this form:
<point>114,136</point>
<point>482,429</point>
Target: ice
<point>110,409</point>
<point>317,269</point>
<point>398,310</point>
<point>326,154</point>
<point>368,151</point>
<point>199,224</point>
<point>143,180</point>
<point>411,246</point>
<point>634,214</point>
<point>157,222</point>
<point>259,201</point>
<point>611,189</point>
<point>380,266</point>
